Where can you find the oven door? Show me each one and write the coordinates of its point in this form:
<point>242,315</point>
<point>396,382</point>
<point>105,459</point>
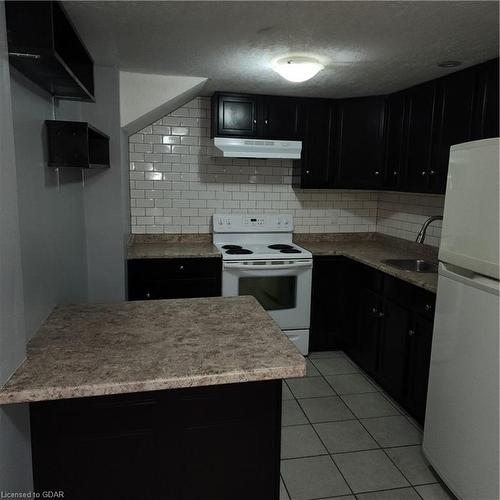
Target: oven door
<point>283,288</point>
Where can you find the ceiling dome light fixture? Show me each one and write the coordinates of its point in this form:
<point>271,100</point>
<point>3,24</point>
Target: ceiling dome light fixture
<point>297,69</point>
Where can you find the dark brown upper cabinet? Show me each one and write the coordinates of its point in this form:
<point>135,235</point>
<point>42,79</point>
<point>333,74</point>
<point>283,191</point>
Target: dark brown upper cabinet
<point>453,118</point>
<point>418,130</point>
<point>426,120</point>
<point>314,170</point>
<point>257,116</point>
<point>235,115</point>
<point>280,117</point>
<point>358,154</point>
<point>395,141</point>
<point>45,47</point>
<point>485,121</point>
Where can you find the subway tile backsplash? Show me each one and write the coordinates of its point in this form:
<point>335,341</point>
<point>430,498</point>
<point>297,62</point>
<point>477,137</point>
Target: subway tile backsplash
<point>178,179</point>
<point>402,215</point>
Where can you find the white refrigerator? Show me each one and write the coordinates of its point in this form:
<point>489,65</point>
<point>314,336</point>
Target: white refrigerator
<point>461,434</point>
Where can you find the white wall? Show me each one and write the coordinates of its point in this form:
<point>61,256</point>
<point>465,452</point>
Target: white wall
<point>15,453</point>
<point>106,200</point>
<point>51,214</point>
<point>146,98</point>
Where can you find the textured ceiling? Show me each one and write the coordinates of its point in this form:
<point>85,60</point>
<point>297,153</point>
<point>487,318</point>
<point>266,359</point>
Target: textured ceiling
<point>367,47</point>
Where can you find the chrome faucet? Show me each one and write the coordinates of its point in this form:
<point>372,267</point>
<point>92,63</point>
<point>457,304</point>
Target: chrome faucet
<point>421,233</point>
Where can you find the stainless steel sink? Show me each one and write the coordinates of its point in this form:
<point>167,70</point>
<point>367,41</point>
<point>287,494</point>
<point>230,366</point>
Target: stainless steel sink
<point>415,265</point>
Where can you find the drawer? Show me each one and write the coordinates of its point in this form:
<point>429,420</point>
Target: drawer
<point>155,269</point>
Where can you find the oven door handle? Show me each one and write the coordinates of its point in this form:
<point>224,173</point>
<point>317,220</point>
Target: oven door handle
<point>257,267</point>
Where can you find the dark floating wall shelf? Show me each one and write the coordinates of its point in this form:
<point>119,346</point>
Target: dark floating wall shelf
<point>76,145</point>
<point>45,47</point>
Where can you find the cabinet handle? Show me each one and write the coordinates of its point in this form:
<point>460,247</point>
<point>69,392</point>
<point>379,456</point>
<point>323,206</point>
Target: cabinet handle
<point>411,333</point>
<point>376,172</point>
<point>424,172</point>
<point>395,172</point>
<point>181,268</point>
<point>433,172</point>
<point>381,314</point>
<point>148,295</point>
<point>266,122</point>
<point>375,310</point>
<point>255,121</point>
<point>307,172</point>
<point>428,307</point>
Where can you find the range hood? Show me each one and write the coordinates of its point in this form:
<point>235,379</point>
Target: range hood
<point>233,147</point>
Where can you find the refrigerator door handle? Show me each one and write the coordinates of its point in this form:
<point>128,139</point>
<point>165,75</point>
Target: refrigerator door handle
<point>469,278</point>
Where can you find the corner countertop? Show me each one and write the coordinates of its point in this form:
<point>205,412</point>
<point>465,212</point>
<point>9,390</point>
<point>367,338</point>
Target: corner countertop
<point>373,250</point>
<point>102,349</point>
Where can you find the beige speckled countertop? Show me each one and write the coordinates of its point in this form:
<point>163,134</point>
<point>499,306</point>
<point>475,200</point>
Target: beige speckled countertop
<point>167,246</point>
<point>372,250</point>
<point>98,349</point>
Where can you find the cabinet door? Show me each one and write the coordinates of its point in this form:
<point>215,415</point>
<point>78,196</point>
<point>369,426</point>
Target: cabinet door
<point>281,117</point>
<point>236,115</point>
<point>395,141</point>
<point>418,367</point>
<point>454,106</point>
<point>315,169</point>
<point>419,130</point>
<point>328,303</point>
<point>391,369</point>
<point>364,350</point>
<point>359,154</point>
<point>486,104</point>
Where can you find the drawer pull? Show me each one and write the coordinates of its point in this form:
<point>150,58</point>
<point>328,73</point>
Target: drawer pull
<point>381,314</point>
<point>148,295</point>
<point>411,333</point>
<point>428,307</point>
<point>181,268</point>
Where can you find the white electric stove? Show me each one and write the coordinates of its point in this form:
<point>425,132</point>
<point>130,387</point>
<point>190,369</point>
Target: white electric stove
<point>260,259</point>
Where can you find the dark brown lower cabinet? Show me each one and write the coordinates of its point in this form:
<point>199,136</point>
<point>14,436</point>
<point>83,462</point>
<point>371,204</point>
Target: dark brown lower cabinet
<point>418,366</point>
<point>367,330</point>
<point>391,370</point>
<point>155,279</point>
<point>387,331</point>
<point>327,303</point>
<point>208,443</point>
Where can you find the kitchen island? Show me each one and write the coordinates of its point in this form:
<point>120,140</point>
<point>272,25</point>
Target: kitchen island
<point>177,399</point>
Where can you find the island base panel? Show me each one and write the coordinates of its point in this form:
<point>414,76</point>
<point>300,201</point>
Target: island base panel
<point>217,442</point>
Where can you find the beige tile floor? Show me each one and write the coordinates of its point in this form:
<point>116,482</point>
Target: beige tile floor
<point>344,438</point>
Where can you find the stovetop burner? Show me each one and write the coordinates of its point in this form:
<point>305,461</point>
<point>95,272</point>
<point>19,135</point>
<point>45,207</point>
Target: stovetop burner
<point>238,251</point>
<point>280,246</point>
<point>232,247</point>
<point>290,250</point>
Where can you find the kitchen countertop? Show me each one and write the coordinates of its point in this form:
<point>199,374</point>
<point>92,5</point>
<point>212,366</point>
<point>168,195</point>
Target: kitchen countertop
<point>171,246</point>
<point>102,349</point>
<point>367,248</point>
<point>372,251</point>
